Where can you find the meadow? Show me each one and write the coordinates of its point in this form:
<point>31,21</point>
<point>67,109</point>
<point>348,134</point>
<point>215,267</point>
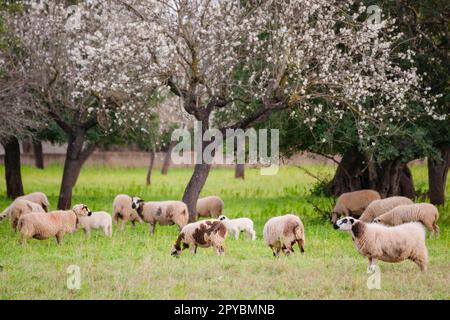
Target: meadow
<point>134,265</point>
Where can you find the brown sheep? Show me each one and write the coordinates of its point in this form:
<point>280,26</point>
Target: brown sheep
<point>211,206</point>
<point>353,203</point>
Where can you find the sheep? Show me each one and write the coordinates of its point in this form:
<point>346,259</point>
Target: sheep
<point>390,244</point>
<point>211,206</point>
<point>20,207</point>
<point>353,203</point>
<point>48,224</point>
<point>235,226</point>
<point>39,198</point>
<point>122,210</point>
<point>425,213</point>
<point>205,233</point>
<point>35,197</point>
<point>162,212</point>
<point>378,207</point>
<point>98,220</point>
<point>281,233</point>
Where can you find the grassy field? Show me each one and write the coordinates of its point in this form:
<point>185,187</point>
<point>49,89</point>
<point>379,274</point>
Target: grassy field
<point>135,265</point>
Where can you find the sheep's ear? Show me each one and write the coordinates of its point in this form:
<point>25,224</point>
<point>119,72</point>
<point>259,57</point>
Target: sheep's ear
<point>29,207</point>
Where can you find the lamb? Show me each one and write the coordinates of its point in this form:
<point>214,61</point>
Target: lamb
<point>211,206</point>
<point>425,213</point>
<point>378,207</point>
<point>235,226</point>
<point>35,197</point>
<point>205,233</point>
<point>98,220</point>
<point>390,244</point>
<point>281,233</point>
<point>20,207</point>
<point>353,203</point>
<point>45,225</point>
<point>163,212</point>
<point>122,210</point>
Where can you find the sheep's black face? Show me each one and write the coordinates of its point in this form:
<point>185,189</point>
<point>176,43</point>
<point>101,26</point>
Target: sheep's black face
<point>82,210</point>
<point>377,220</point>
<point>221,218</point>
<point>344,224</point>
<point>136,202</point>
<point>174,252</point>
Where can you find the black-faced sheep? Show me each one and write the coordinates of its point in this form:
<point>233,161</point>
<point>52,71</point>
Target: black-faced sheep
<point>205,233</point>
<point>425,213</point>
<point>281,233</point>
<point>98,220</point>
<point>211,206</point>
<point>236,226</point>
<point>378,207</point>
<point>162,212</point>
<point>122,209</point>
<point>50,224</point>
<point>353,203</point>
<point>390,244</point>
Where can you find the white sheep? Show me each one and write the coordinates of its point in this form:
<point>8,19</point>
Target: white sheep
<point>205,233</point>
<point>390,244</point>
<point>122,209</point>
<point>98,220</point>
<point>378,207</point>
<point>353,203</point>
<point>36,197</point>
<point>20,207</point>
<point>425,213</point>
<point>236,226</point>
<point>162,212</point>
<point>211,206</point>
<point>50,224</point>
<point>281,233</point>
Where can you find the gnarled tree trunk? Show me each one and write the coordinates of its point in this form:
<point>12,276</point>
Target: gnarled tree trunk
<point>239,171</point>
<point>407,183</point>
<point>76,156</point>
<point>166,163</point>
<point>38,154</point>
<point>437,176</point>
<point>194,187</point>
<point>13,175</point>
<point>150,168</point>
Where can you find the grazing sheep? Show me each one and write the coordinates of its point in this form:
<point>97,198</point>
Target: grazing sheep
<point>211,206</point>
<point>49,224</point>
<point>35,197</point>
<point>353,203</point>
<point>20,207</point>
<point>39,198</point>
<point>425,213</point>
<point>378,207</point>
<point>205,233</point>
<point>390,244</point>
<point>235,226</point>
<point>281,233</point>
<point>162,212</point>
<point>98,220</point>
<point>122,209</point>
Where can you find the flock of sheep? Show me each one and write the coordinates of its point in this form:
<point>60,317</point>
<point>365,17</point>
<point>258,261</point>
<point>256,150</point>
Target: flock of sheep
<point>382,229</point>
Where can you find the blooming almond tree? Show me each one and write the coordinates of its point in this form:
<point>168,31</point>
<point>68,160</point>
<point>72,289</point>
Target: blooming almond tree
<point>234,63</point>
<point>83,75</point>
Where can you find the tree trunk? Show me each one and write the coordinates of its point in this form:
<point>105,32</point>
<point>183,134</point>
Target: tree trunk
<point>407,188</point>
<point>194,188</point>
<point>38,154</point>
<point>76,156</point>
<point>150,168</point>
<point>13,175</point>
<point>437,176</point>
<point>167,157</point>
<point>239,171</point>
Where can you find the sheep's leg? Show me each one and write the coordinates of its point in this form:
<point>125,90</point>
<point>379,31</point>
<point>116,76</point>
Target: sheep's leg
<point>194,249</point>
<point>252,234</point>
<point>371,266</point>
<point>219,250</point>
<point>23,239</point>
<point>152,228</point>
<point>14,224</point>
<point>301,245</point>
<point>59,237</point>
<point>86,233</point>
<point>436,230</point>
<point>116,218</point>
<point>236,234</point>
<point>123,225</point>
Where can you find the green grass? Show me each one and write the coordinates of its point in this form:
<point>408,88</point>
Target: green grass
<point>135,265</point>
